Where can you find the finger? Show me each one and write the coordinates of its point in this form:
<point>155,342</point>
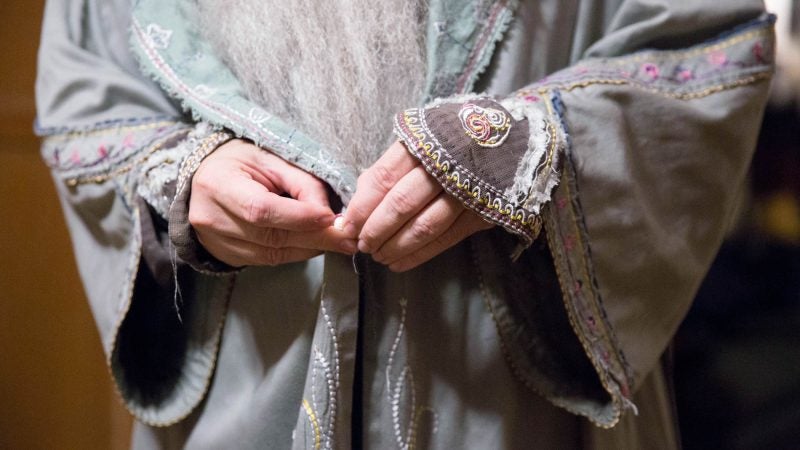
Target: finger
<point>375,183</point>
<point>422,229</point>
<point>253,203</point>
<point>296,182</point>
<point>407,198</point>
<point>467,224</point>
<point>238,253</point>
<point>326,239</point>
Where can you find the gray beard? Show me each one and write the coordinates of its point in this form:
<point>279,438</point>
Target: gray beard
<point>337,69</point>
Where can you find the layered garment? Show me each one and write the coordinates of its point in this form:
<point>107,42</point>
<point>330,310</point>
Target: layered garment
<point>608,146</point>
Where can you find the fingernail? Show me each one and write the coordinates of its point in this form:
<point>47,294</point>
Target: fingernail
<point>348,246</point>
<point>338,222</point>
<point>363,247</point>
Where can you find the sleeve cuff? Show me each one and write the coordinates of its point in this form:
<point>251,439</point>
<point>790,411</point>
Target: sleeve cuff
<point>499,160</point>
<point>181,234</point>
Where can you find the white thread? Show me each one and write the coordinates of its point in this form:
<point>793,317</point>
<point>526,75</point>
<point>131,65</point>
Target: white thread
<point>334,384</point>
<point>404,383</point>
<point>314,404</point>
<point>531,185</point>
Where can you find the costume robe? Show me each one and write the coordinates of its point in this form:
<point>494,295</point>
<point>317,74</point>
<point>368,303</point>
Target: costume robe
<point>632,126</point>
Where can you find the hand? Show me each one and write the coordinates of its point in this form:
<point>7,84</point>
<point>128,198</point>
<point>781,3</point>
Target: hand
<point>401,214</point>
<point>241,216</point>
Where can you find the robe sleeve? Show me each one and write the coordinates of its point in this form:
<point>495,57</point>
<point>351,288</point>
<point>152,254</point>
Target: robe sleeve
<point>118,150</point>
<point>630,160</point>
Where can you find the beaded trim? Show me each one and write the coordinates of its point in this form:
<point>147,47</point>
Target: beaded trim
<point>474,193</point>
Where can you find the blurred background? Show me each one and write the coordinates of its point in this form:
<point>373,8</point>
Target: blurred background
<point>737,355</point>
<point>55,391</point>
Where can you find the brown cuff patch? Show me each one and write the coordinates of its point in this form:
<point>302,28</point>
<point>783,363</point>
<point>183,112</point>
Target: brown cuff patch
<point>473,149</point>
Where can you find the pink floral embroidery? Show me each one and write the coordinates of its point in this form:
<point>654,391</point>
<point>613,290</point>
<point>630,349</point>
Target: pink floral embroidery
<point>127,142</point>
<point>758,52</point>
<point>531,98</point>
<point>685,75</point>
<point>102,151</point>
<point>75,157</point>
<point>718,58</point>
<point>651,70</point>
<point>569,242</point>
<point>592,324</point>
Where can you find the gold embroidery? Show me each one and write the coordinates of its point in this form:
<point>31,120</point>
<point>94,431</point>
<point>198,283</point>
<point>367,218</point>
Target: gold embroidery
<point>110,130</point>
<point>312,417</point>
<point>101,178</point>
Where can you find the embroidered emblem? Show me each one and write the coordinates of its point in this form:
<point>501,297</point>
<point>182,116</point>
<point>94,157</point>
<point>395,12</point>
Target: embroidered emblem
<point>158,37</point>
<point>488,127</point>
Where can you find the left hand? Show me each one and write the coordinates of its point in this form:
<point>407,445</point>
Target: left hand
<point>401,214</point>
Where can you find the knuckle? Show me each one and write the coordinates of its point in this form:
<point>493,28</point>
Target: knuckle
<point>274,237</point>
<point>272,257</point>
<point>401,202</point>
<point>443,242</point>
<point>199,219</point>
<point>369,237</point>
<point>359,212</point>
<point>422,229</point>
<point>380,255</point>
<point>201,182</point>
<point>258,212</point>
<point>383,177</point>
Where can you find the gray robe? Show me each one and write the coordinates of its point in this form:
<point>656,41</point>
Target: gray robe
<point>656,106</point>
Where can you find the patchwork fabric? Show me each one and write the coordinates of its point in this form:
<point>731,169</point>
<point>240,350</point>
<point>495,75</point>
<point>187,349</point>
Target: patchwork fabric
<point>474,146</point>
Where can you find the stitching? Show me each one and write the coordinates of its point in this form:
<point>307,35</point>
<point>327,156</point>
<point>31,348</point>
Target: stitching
<point>192,161</point>
<point>674,55</point>
<point>320,359</point>
<point>676,95</point>
<point>394,394</point>
<point>410,126</point>
<point>108,154</point>
<point>125,305</point>
<point>480,47</point>
<point>515,369</point>
<point>314,383</point>
<point>333,384</point>
<point>685,76</point>
<point>275,142</point>
<point>314,423</point>
<point>101,178</point>
<point>98,127</point>
<point>68,135</point>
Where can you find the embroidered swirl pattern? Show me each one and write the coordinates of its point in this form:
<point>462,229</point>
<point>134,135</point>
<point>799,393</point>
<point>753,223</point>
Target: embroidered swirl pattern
<point>488,127</point>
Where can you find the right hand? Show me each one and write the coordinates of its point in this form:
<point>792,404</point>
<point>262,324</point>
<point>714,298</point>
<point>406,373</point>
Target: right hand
<point>241,216</point>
